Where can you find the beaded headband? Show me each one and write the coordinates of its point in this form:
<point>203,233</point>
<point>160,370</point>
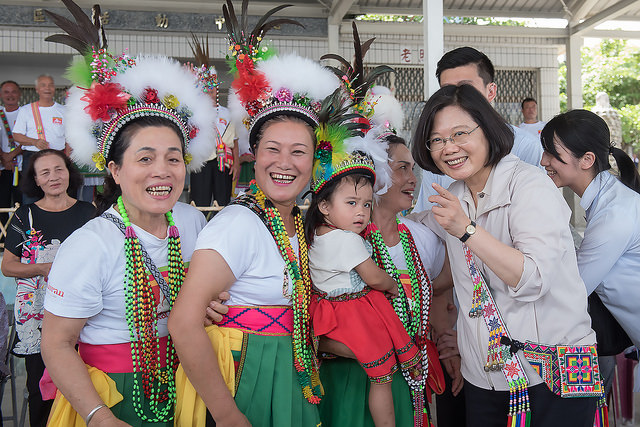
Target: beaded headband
<point>356,162</point>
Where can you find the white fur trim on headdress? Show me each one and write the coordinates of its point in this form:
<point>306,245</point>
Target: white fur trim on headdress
<point>377,150</point>
<point>387,111</point>
<point>299,75</point>
<point>169,78</point>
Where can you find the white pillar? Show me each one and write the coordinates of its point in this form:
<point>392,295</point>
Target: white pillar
<point>433,32</point>
<point>334,38</point>
<point>574,100</point>
<point>574,72</point>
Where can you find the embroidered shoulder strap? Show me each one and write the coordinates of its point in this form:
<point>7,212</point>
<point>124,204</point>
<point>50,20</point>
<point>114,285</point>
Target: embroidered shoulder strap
<point>148,262</point>
<point>7,128</point>
<point>12,144</point>
<point>509,363</point>
<point>35,108</point>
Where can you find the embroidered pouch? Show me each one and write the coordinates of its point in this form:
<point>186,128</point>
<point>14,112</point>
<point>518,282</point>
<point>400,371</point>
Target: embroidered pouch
<point>568,371</point>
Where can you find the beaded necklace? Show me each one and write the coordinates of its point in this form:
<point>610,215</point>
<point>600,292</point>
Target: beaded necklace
<point>414,317</point>
<point>158,385</point>
<point>304,348</point>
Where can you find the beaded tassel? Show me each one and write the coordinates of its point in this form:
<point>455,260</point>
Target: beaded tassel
<point>602,413</point>
<point>519,407</point>
<point>495,362</point>
<point>414,317</point>
<point>142,318</point>
<point>304,352</point>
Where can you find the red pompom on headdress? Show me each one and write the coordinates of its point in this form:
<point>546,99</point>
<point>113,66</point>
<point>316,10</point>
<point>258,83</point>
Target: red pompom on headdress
<point>251,84</point>
<point>105,99</point>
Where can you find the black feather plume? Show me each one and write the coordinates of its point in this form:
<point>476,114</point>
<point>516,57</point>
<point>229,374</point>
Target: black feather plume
<point>83,34</point>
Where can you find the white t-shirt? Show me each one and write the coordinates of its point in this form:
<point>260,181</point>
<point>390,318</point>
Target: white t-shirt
<point>534,129</point>
<point>52,123</point>
<point>332,260</point>
<point>4,138</point>
<point>248,248</point>
<point>226,132</point>
<point>430,248</point>
<point>87,276</point>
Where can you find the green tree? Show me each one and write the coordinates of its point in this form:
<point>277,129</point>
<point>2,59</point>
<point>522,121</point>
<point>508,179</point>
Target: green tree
<point>613,67</point>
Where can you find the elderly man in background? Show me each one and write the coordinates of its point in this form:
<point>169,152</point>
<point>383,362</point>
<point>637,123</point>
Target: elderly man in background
<point>40,125</point>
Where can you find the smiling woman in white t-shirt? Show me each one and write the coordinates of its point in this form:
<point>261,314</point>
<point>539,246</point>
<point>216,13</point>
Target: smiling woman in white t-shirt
<point>114,281</point>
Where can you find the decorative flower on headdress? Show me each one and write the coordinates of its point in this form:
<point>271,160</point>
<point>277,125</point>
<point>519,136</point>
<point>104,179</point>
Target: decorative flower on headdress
<point>265,84</point>
<point>105,100</point>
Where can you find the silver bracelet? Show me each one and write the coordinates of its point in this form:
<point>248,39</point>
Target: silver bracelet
<point>93,412</point>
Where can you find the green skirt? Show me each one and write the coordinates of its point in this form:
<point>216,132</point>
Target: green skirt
<point>125,411</point>
<point>268,392</point>
<point>346,395</point>
<point>246,173</point>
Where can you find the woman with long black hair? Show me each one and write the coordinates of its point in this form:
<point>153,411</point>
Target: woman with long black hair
<point>577,149</point>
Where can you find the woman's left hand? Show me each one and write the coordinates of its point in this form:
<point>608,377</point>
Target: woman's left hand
<point>216,309</point>
<point>448,212</point>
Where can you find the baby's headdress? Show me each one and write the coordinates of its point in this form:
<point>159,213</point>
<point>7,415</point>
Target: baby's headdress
<point>363,152</point>
<point>110,91</point>
<point>267,85</point>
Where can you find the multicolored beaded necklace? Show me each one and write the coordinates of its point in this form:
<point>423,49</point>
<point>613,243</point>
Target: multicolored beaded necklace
<point>414,316</point>
<point>158,384</point>
<point>304,354</point>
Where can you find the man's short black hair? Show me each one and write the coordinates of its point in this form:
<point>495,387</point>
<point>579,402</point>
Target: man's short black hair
<point>9,82</point>
<point>527,100</point>
<point>467,55</point>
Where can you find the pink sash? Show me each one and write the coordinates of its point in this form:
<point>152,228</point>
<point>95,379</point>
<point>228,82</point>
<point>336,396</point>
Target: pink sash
<point>115,358</point>
<point>260,320</point>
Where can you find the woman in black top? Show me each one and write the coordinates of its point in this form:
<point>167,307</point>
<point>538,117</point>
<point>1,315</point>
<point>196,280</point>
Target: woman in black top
<point>33,237</point>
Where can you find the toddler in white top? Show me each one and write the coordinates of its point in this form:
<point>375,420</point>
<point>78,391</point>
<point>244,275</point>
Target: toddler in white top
<point>350,305</point>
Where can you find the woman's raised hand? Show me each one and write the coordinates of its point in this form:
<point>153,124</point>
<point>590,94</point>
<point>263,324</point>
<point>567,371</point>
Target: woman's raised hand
<point>448,211</point>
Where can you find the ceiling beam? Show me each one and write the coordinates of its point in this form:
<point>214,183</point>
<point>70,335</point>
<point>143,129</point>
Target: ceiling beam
<point>612,12</point>
<point>339,9</point>
<point>415,28</point>
<point>257,8</point>
<point>580,9</point>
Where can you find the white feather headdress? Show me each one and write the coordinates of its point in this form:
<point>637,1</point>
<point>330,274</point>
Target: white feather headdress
<point>146,86</point>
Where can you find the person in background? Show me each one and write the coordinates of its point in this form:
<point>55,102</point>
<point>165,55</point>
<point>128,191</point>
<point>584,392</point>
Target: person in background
<point>577,147</point>
<point>33,238</point>
<point>10,157</point>
<point>214,181</point>
<point>40,125</point>
<point>247,162</point>
<point>466,65</point>
<point>531,123</point>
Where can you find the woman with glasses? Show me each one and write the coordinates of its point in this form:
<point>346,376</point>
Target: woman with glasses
<point>506,228</point>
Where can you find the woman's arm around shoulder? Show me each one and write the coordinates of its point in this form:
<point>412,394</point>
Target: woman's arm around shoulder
<point>209,274</point>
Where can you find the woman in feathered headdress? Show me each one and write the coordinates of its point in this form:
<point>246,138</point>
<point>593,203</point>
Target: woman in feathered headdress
<point>115,279</point>
<point>262,368</point>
